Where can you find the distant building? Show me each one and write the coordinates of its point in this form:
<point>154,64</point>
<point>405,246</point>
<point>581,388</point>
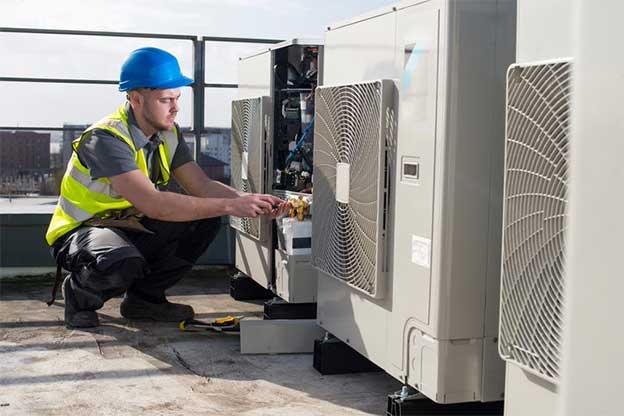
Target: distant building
<point>215,144</point>
<point>24,152</point>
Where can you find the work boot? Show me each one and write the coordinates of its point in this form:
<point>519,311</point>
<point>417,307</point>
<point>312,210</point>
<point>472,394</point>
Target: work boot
<point>73,317</point>
<point>135,308</point>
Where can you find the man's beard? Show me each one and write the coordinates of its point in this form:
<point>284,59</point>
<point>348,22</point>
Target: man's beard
<point>154,123</point>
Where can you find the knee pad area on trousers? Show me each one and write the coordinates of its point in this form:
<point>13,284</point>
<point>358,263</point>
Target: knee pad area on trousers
<point>118,276</point>
<point>124,272</point>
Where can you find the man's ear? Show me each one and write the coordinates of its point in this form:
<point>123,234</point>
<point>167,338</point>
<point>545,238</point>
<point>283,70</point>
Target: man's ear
<point>134,97</point>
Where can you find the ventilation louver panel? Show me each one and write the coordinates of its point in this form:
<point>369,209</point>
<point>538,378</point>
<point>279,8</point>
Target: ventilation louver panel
<point>247,166</point>
<point>536,192</point>
<point>353,126</point>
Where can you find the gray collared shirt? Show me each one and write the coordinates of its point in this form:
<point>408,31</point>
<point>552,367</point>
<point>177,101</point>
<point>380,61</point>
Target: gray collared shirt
<point>105,157</point>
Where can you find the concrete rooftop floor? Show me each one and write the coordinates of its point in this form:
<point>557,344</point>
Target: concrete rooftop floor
<point>129,368</point>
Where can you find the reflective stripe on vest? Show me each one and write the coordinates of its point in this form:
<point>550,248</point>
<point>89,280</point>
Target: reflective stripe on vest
<point>100,187</point>
<point>82,197</point>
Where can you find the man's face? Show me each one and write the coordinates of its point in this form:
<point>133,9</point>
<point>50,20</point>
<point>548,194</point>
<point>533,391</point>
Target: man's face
<point>159,107</point>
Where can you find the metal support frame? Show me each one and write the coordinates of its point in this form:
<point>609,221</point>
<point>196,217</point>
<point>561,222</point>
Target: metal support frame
<point>199,91</point>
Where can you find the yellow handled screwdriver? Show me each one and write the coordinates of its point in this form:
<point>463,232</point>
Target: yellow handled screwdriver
<point>225,324</point>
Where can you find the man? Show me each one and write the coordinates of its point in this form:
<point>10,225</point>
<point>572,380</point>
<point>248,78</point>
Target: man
<point>113,228</point>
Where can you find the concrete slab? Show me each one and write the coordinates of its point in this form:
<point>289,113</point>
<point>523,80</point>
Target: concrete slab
<point>128,367</point>
<point>279,336</point>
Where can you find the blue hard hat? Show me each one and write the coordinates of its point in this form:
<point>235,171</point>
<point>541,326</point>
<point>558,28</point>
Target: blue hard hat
<point>151,68</point>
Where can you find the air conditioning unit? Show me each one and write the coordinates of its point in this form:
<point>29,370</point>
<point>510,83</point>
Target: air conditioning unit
<point>533,270</point>
<point>272,136</point>
<point>408,154</point>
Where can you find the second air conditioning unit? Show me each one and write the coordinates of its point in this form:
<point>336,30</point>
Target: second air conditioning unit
<point>408,183</point>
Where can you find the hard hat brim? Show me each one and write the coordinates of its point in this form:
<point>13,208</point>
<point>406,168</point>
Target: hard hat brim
<point>174,83</point>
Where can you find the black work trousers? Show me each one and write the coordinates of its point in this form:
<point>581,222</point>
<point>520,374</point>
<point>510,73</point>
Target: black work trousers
<point>106,262</point>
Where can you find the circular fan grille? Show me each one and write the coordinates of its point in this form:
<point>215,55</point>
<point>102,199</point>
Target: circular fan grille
<point>246,135</point>
<point>536,179</point>
<point>348,130</point>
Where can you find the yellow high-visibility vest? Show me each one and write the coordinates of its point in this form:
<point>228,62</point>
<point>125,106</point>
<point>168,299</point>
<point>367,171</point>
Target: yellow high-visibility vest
<point>83,198</point>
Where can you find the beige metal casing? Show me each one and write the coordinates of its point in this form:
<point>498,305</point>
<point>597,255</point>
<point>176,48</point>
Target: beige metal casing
<point>254,79</point>
<point>592,342</point>
<point>295,278</point>
<point>545,32</point>
<point>528,394</point>
<point>255,258</point>
<point>435,327</point>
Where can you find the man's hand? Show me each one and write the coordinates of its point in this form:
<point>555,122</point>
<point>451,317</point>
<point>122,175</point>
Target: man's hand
<point>253,205</point>
<point>279,210</point>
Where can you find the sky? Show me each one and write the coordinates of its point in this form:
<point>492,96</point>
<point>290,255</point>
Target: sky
<point>59,56</point>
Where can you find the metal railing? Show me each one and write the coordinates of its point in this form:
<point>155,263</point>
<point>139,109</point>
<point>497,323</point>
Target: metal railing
<point>199,70</point>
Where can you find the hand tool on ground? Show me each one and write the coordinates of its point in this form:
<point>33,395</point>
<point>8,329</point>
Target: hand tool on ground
<point>229,324</point>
